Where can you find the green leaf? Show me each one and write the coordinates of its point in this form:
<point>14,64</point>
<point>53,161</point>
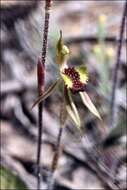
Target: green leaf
<point>10,181</point>
<point>46,94</point>
<point>82,70</point>
<point>71,108</point>
<point>88,103</point>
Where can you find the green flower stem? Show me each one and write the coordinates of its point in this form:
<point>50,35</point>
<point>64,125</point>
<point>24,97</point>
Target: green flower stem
<point>57,152</point>
<point>55,160</point>
<point>63,117</point>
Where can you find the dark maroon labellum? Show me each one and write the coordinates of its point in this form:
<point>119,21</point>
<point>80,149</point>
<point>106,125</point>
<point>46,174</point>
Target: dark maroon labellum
<point>78,86</point>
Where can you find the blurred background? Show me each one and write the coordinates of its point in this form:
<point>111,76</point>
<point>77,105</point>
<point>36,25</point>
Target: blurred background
<point>90,29</point>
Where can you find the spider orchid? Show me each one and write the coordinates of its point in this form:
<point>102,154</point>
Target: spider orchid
<point>74,80</point>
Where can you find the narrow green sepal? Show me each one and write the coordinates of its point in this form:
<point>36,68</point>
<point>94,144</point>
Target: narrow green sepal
<point>46,94</point>
<point>88,103</point>
<point>71,108</point>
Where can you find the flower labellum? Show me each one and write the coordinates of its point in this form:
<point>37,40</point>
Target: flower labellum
<point>75,78</point>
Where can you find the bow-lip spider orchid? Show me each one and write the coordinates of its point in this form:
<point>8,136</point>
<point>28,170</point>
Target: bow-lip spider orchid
<point>74,80</point>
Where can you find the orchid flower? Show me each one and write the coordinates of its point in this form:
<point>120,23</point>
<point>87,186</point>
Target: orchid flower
<point>74,80</point>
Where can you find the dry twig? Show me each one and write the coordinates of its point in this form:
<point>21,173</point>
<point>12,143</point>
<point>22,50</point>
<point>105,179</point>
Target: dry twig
<point>117,65</point>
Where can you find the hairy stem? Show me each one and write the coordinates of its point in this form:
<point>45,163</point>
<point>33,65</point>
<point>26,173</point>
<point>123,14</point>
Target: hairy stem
<point>117,65</point>
<point>40,73</point>
<point>41,82</point>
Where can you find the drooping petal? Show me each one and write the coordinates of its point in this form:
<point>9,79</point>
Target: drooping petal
<point>71,108</point>
<point>88,103</point>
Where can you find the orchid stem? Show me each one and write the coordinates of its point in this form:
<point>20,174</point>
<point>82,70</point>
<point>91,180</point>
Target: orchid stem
<point>55,159</point>
<point>41,82</point>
